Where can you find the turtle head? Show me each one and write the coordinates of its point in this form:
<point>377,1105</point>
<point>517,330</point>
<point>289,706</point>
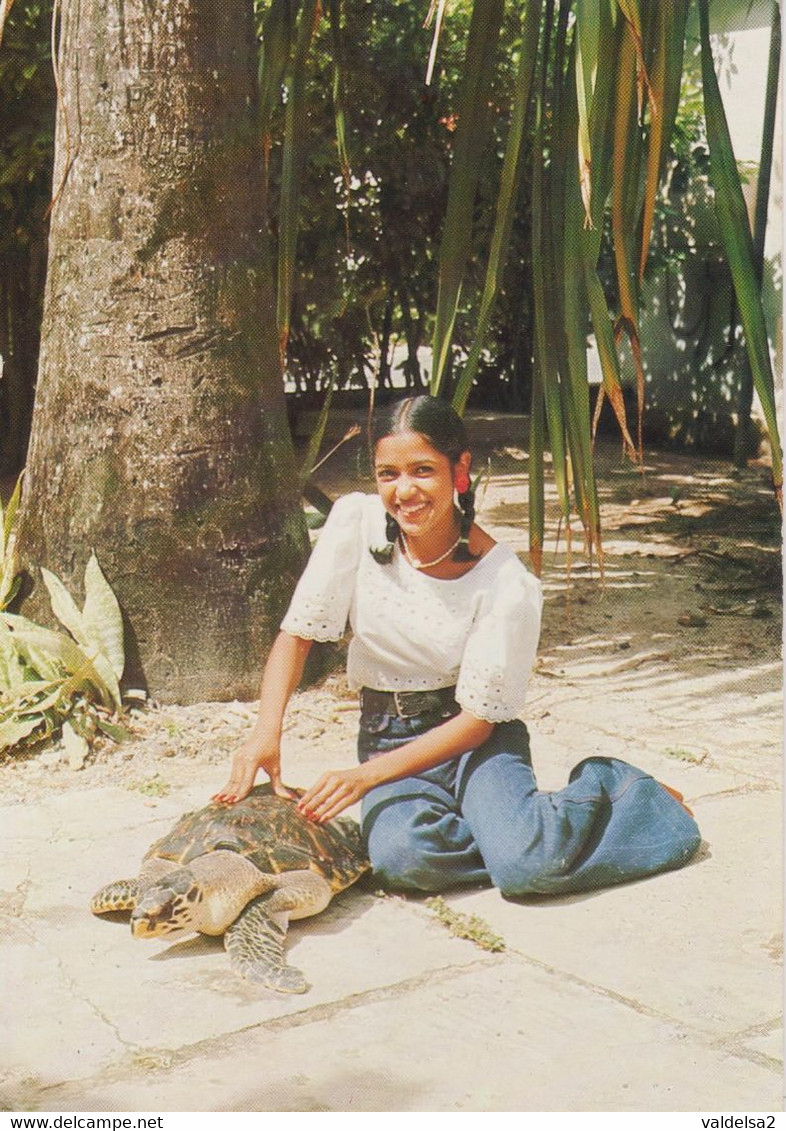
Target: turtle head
<point>170,908</point>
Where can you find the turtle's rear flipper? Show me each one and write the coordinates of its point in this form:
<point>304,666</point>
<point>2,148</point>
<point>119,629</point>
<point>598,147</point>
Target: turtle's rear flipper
<point>122,895</point>
<point>255,944</point>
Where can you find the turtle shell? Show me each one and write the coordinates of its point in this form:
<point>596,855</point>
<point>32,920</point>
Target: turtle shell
<point>274,836</point>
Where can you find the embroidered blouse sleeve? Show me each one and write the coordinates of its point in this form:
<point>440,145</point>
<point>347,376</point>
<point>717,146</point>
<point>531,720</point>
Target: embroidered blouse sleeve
<point>500,650</point>
<point>321,602</point>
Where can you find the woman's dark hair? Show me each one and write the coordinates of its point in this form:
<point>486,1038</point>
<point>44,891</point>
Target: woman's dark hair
<point>438,422</point>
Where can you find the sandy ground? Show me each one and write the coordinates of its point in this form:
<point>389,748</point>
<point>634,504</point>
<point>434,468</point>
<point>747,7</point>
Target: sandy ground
<point>662,995</point>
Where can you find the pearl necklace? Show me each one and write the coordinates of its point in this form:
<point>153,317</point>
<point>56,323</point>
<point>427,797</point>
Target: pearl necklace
<point>416,564</point>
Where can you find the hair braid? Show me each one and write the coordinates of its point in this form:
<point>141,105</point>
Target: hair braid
<point>467,503</point>
<point>383,554</point>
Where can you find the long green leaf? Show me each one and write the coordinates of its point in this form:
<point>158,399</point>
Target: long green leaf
<point>545,372</point>
<point>745,403</point>
<point>738,243</point>
<point>8,515</point>
<point>58,647</point>
<point>65,608</point>
<point>9,561</point>
<point>471,140</point>
<point>10,579</point>
<point>274,54</point>
<point>536,479</point>
<point>339,94</point>
<point>574,386</point>
<point>102,618</point>
<point>45,650</point>
<point>588,19</point>
<point>607,352</point>
<point>28,698</point>
<point>544,368</point>
<point>601,124</point>
<point>11,676</point>
<point>548,257</point>
<point>315,442</point>
<point>13,731</point>
<point>665,69</point>
<point>556,99</point>
<point>632,13</point>
<point>767,141</point>
<point>624,210</point>
<point>506,200</point>
<point>102,615</point>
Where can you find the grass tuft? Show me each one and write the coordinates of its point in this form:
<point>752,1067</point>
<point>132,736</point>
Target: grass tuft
<point>470,927</point>
<point>153,787</point>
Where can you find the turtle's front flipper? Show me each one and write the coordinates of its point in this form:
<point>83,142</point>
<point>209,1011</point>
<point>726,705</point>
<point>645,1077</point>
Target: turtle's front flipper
<point>255,941</point>
<point>301,893</point>
<point>122,895</point>
<point>255,944</point>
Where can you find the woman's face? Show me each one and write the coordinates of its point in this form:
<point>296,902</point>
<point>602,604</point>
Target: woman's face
<point>415,483</point>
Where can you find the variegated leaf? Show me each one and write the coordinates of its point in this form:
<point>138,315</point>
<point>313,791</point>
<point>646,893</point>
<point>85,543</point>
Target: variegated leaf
<point>65,608</point>
<point>102,618</point>
<point>14,731</point>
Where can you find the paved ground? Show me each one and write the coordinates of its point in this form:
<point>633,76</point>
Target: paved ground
<point>662,995</point>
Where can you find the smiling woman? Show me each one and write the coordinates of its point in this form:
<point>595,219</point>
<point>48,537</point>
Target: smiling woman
<point>445,626</point>
<point>421,453</point>
<point>415,484</point>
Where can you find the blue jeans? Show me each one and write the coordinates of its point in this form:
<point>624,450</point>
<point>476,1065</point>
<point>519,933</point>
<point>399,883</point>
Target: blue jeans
<point>481,819</point>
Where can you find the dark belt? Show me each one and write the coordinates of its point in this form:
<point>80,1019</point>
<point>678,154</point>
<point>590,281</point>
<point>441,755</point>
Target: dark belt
<point>406,704</point>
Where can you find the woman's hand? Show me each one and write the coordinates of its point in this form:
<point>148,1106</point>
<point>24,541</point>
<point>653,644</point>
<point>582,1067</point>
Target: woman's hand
<point>334,791</point>
<point>262,749</point>
<point>246,763</point>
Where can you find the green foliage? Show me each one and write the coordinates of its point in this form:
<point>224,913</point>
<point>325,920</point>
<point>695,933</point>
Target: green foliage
<point>375,147</point>
<point>152,787</point>
<point>27,98</point>
<point>398,209</point>
<point>50,680</point>
<point>738,243</point>
<point>26,123</point>
<point>470,927</point>
<point>9,578</point>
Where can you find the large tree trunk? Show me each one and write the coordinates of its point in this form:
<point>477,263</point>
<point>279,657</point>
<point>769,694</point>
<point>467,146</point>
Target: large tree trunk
<point>159,434</point>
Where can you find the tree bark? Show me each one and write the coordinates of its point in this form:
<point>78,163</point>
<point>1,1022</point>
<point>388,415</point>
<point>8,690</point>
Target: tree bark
<point>159,434</point>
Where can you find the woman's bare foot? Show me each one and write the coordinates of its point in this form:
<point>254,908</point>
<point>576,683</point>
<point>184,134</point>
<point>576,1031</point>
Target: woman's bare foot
<point>675,793</point>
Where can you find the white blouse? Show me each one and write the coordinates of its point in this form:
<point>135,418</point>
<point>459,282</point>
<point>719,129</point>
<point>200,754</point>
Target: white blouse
<point>412,632</point>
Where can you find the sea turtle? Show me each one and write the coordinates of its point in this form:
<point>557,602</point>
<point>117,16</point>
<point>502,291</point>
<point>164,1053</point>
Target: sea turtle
<point>243,871</point>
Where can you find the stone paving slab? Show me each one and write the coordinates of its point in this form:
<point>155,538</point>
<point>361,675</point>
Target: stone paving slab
<point>730,721</point>
<point>119,984</point>
<point>554,754</point>
<point>497,1035</point>
<point>659,995</point>
<point>769,1044</point>
<point>703,945</point>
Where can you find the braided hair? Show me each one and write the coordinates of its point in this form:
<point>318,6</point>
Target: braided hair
<point>438,422</point>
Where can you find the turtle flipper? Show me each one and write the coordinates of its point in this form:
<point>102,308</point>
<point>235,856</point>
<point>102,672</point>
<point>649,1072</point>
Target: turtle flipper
<point>301,893</point>
<point>255,944</point>
<point>121,895</point>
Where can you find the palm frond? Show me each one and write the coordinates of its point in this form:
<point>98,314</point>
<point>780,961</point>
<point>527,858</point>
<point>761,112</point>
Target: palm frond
<point>738,244</point>
<point>471,140</point>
